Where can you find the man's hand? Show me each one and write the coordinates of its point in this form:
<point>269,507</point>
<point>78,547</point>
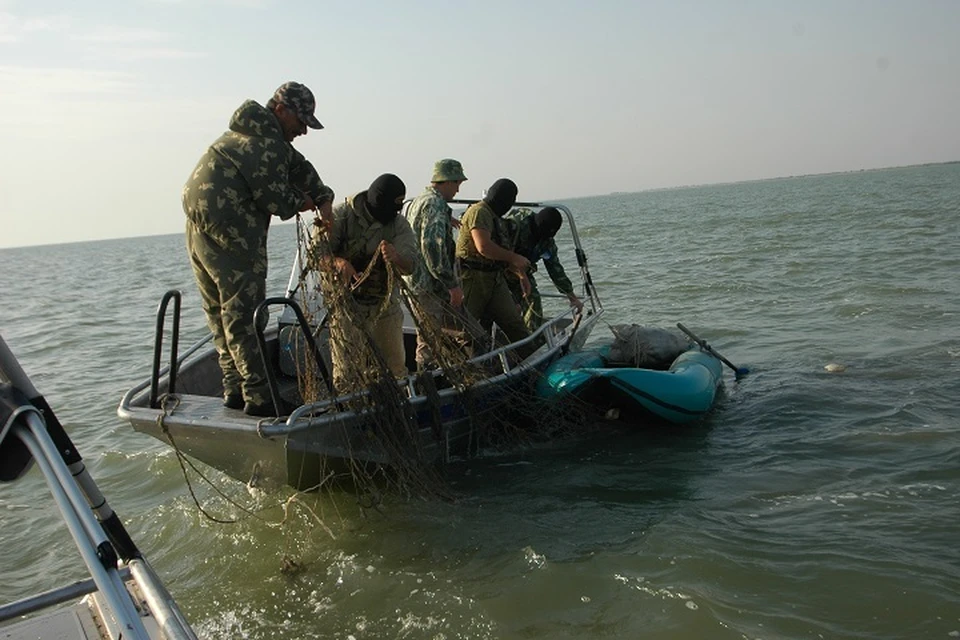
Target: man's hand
<point>456,297</point>
<point>524,282</point>
<point>455,222</point>
<point>575,302</point>
<point>347,273</point>
<point>389,252</point>
<point>519,264</point>
<point>307,203</point>
<point>325,214</point>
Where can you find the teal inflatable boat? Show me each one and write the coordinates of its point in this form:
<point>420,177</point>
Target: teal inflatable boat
<point>681,393</point>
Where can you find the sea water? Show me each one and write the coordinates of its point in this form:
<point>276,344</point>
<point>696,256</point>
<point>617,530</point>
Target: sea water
<point>812,503</point>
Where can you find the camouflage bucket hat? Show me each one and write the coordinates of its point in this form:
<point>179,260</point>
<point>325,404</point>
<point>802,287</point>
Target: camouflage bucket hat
<point>447,170</point>
<point>297,97</point>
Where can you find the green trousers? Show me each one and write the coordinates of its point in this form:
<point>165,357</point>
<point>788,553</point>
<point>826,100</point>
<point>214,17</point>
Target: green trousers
<point>532,306</point>
<point>231,286</point>
<point>487,298</point>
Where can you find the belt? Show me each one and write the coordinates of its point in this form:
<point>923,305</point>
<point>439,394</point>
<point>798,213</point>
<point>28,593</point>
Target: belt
<point>477,265</point>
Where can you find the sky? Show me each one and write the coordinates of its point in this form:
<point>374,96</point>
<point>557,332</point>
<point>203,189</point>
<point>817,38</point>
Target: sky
<point>105,107</point>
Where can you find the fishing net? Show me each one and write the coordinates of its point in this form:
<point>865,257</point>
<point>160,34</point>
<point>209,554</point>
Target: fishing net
<point>408,441</point>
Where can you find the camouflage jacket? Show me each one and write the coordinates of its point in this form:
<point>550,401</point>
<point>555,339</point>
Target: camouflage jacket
<point>479,215</point>
<point>518,232</point>
<point>429,216</point>
<point>248,175</point>
<point>355,236</point>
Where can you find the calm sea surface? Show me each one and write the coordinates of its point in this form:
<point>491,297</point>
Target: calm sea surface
<point>808,505</point>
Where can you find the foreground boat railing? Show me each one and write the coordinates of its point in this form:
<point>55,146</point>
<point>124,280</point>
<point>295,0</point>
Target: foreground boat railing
<point>53,597</point>
<point>31,434</point>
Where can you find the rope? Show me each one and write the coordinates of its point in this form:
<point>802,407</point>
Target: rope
<point>168,404</point>
<point>391,280</point>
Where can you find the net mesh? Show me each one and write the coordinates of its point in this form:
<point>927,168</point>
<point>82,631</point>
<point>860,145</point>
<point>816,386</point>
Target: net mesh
<point>400,447</point>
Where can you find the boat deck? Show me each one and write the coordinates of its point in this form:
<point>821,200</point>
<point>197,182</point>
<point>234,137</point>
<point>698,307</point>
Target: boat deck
<point>74,622</point>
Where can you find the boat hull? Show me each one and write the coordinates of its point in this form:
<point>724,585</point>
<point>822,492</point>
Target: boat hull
<point>324,442</point>
<point>428,418</point>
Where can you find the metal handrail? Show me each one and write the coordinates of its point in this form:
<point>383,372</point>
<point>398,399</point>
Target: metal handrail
<point>158,344</point>
<point>129,395</point>
<point>295,422</point>
<point>96,529</point>
<point>259,322</point>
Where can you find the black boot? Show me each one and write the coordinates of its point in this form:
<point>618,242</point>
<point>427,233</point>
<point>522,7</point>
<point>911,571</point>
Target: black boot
<point>267,409</point>
<point>233,401</point>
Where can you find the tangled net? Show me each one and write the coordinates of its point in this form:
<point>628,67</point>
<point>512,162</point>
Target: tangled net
<point>408,440</point>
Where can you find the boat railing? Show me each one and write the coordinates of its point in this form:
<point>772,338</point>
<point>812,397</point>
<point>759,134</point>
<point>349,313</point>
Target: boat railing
<point>128,397</point>
<point>548,331</point>
<point>260,321</point>
<point>174,295</point>
<point>553,334</point>
<point>30,426</point>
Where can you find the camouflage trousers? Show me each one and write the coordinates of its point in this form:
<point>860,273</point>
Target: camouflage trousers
<point>457,324</point>
<point>532,306</point>
<point>386,333</point>
<point>487,297</point>
<point>231,287</point>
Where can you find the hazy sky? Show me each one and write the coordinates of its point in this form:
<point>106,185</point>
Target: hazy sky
<point>105,107</point>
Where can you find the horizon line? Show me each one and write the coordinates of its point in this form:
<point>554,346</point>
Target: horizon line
<point>549,200</point>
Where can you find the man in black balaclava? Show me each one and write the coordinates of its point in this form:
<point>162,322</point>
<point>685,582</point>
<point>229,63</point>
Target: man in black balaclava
<point>385,198</point>
<point>365,226</point>
<point>501,195</point>
<point>531,235</point>
<point>483,260</point>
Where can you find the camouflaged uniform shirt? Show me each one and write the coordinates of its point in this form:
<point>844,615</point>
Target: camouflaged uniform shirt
<point>355,236</point>
<point>248,175</point>
<point>434,272</point>
<point>517,229</point>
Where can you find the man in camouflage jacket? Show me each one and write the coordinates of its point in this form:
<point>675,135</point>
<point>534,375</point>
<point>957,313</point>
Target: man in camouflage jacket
<point>531,235</point>
<point>435,281</point>
<point>250,174</point>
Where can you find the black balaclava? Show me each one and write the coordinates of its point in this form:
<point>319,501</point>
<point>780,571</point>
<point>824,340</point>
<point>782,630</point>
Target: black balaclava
<point>548,221</point>
<point>501,195</point>
<point>382,198</point>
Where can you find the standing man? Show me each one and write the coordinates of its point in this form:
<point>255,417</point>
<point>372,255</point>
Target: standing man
<point>531,235</point>
<point>250,174</point>
<point>435,281</point>
<point>367,226</point>
<point>483,258</point>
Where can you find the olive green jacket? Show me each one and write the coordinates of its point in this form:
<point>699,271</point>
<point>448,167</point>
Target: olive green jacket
<point>355,236</point>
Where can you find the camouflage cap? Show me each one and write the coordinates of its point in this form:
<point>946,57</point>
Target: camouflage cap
<point>447,170</point>
<point>297,97</point>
